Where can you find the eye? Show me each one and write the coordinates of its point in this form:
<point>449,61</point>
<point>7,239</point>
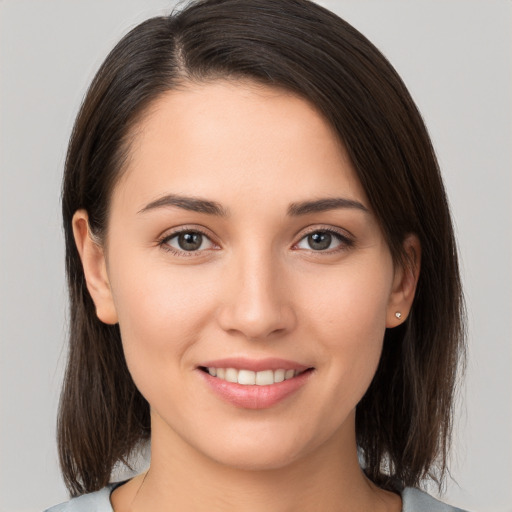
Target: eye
<point>323,240</point>
<point>188,241</point>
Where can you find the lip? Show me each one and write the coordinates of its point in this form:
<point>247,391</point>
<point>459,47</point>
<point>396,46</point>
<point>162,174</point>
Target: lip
<point>255,365</point>
<point>255,397</point>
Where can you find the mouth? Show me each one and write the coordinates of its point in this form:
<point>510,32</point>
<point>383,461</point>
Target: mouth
<point>252,383</point>
<point>253,378</point>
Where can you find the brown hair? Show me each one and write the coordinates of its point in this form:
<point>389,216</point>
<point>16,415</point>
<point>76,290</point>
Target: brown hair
<point>403,423</point>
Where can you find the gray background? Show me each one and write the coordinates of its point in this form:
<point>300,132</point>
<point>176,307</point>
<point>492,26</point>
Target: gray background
<point>454,55</point>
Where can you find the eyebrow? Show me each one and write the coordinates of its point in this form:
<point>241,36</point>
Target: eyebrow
<point>323,205</point>
<point>194,204</point>
<point>197,204</point>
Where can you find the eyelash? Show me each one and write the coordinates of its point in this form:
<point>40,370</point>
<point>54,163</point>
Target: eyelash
<point>345,241</point>
<point>163,241</point>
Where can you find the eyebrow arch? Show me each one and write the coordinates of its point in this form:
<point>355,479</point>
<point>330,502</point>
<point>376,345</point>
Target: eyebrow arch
<point>194,204</point>
<point>322,205</point>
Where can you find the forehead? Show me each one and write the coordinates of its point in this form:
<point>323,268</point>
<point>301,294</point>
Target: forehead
<point>227,139</point>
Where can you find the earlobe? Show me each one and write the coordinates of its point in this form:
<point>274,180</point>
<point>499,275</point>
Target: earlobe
<point>404,283</point>
<point>95,268</point>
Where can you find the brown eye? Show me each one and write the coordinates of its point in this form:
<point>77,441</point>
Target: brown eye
<point>324,240</point>
<point>320,240</point>
<point>189,241</point>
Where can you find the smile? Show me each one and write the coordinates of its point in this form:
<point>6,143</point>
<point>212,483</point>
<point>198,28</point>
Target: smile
<point>254,383</point>
<point>253,378</point>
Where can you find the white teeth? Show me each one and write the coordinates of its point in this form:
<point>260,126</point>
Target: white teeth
<point>279,375</point>
<point>265,378</point>
<point>250,378</point>
<point>246,377</point>
<point>231,375</point>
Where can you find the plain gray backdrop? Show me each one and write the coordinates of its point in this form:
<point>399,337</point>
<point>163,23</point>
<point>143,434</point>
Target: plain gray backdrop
<point>454,55</point>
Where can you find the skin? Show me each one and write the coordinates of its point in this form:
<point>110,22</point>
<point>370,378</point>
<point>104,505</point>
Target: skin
<point>255,289</point>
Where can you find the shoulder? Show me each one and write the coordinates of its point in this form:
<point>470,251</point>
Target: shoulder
<point>98,501</point>
<point>415,500</point>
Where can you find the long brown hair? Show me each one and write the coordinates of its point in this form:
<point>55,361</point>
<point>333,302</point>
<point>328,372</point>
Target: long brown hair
<point>403,423</point>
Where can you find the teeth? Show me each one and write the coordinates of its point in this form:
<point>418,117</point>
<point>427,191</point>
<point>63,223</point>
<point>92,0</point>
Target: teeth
<point>231,375</point>
<point>250,378</point>
<point>246,377</point>
<point>289,374</point>
<point>265,378</point>
<point>279,375</point>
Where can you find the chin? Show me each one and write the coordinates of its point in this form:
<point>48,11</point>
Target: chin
<point>264,452</point>
<point>259,459</point>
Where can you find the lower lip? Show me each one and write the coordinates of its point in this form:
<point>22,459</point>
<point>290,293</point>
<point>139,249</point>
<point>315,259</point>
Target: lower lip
<point>255,397</point>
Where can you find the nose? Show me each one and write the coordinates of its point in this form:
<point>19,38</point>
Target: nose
<point>257,302</point>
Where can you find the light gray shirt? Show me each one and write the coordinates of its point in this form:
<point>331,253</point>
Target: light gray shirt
<point>413,500</point>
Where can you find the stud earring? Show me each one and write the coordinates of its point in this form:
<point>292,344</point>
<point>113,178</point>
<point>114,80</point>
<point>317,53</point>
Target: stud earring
<point>398,315</point>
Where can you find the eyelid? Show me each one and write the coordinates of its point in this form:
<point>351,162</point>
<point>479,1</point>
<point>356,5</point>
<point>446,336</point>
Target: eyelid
<point>345,237</point>
<point>173,232</point>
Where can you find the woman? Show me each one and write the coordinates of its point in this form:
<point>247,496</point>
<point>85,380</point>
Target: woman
<point>262,270</point>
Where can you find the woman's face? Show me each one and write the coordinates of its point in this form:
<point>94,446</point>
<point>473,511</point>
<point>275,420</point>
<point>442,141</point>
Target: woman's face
<point>241,240</point>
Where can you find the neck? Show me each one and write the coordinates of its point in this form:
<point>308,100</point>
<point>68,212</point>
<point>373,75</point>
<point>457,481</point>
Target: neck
<point>181,478</point>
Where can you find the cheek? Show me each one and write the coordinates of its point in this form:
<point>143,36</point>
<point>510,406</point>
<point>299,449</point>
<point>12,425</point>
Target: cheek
<point>353,300</point>
<point>161,311</point>
<point>349,320</point>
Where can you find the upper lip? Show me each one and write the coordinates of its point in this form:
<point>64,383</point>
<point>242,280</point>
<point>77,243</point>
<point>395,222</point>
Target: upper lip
<point>255,365</point>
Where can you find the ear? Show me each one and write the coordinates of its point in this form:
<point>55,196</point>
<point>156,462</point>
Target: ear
<point>95,268</point>
<point>404,283</point>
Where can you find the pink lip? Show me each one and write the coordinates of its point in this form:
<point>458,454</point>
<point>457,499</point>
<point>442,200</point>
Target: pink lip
<point>254,397</point>
<point>255,365</point>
